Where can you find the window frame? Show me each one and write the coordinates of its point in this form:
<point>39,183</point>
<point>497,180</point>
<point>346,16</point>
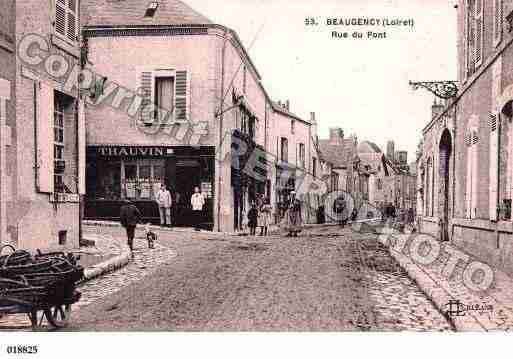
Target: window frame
<point>59,143</point>
<point>498,22</point>
<point>284,144</point>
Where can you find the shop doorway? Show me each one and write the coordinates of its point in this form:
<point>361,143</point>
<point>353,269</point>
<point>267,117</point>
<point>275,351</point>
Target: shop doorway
<point>189,173</point>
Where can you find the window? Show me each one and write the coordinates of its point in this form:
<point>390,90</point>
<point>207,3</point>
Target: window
<point>58,138</point>
<point>164,90</point>
<point>142,178</point>
<point>302,155</point>
<point>314,167</point>
<point>292,126</point>
<point>165,93</point>
<point>472,142</point>
<point>474,36</point>
<point>380,184</point>
<point>284,150</point>
<point>152,8</point>
<point>66,19</point>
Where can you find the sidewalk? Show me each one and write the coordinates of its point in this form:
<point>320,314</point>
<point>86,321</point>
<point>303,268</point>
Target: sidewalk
<point>491,310</point>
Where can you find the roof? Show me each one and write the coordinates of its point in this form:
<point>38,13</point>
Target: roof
<point>131,12</point>
<point>279,108</point>
<point>339,155</point>
<point>368,147</point>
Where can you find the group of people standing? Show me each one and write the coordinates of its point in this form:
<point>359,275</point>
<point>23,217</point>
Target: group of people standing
<point>130,216</point>
<point>260,215</point>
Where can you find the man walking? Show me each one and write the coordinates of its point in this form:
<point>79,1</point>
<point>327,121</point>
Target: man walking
<point>164,201</point>
<point>129,217</point>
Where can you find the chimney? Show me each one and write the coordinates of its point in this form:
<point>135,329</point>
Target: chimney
<point>287,105</point>
<point>437,108</point>
<point>336,136</point>
<point>312,117</point>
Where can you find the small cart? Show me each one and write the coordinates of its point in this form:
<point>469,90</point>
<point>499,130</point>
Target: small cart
<point>41,286</point>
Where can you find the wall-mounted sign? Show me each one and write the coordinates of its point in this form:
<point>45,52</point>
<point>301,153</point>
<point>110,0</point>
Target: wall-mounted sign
<point>133,151</point>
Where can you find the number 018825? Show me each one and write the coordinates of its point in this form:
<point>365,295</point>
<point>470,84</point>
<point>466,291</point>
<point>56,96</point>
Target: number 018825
<point>21,349</point>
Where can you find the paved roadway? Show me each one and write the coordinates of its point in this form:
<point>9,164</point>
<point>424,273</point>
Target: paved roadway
<point>325,280</point>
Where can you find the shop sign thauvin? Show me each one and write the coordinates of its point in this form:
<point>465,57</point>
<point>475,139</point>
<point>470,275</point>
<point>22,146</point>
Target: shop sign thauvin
<point>134,151</point>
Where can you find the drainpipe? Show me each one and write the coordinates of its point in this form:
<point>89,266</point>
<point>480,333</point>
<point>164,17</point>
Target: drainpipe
<point>454,165</point>
<point>221,116</point>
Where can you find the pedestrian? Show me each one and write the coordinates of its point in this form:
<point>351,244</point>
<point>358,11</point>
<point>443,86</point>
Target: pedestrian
<point>197,203</point>
<point>164,202</point>
<point>340,209</point>
<point>252,219</point>
<point>354,215</point>
<point>129,217</point>
<point>321,216</point>
<point>293,220</point>
<point>265,217</point>
<point>411,216</point>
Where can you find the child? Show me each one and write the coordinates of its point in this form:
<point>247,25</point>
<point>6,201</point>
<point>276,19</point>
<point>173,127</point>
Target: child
<point>151,236</point>
<point>252,219</point>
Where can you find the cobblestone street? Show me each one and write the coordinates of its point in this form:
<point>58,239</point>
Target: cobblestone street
<point>325,280</point>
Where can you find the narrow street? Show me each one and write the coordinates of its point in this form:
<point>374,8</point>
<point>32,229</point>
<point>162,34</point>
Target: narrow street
<point>325,280</point>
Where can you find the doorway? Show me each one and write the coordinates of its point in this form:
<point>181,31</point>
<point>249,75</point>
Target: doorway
<point>445,150</point>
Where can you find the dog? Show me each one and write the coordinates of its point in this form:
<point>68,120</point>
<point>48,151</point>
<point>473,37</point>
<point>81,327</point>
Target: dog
<point>151,236</point>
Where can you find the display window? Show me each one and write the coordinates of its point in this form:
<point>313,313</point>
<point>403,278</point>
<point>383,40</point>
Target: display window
<point>142,178</point>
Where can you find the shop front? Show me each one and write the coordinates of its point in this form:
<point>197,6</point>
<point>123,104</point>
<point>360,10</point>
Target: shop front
<point>116,173</point>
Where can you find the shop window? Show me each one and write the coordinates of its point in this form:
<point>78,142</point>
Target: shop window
<point>142,178</point>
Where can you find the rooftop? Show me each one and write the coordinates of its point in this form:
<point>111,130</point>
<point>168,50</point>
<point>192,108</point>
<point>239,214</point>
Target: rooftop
<point>132,12</point>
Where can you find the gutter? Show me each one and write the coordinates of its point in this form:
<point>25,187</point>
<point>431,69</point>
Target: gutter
<point>221,117</point>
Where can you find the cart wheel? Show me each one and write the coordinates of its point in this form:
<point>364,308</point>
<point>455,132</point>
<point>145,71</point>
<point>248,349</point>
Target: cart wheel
<point>36,319</point>
<point>58,315</point>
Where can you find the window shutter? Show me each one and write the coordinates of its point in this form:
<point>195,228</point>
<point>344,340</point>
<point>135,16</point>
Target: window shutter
<point>497,21</point>
<point>475,177</point>
<point>60,17</point>
<point>494,165</point>
<point>479,24</point>
<point>45,138</point>
<point>72,20</point>
<point>468,180</point>
<point>81,148</point>
<point>146,89</point>
<point>181,91</point>
<point>466,32</point>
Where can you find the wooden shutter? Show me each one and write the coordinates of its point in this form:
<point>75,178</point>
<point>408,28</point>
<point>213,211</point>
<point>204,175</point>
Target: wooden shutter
<point>60,17</point>
<point>468,179</point>
<point>475,177</point>
<point>146,89</point>
<point>497,21</point>
<point>72,18</point>
<point>45,138</point>
<point>494,164</point>
<point>81,148</point>
<point>181,90</point>
<point>479,30</point>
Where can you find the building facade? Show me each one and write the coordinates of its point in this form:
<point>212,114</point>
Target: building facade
<point>465,169</point>
<point>42,130</point>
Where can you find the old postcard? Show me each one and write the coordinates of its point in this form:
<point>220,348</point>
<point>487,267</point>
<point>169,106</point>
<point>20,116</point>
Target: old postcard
<point>255,166</point>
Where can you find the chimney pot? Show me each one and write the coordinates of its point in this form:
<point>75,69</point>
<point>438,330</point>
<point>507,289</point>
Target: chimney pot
<point>287,105</point>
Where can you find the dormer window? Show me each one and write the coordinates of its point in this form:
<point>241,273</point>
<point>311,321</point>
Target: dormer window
<point>152,8</point>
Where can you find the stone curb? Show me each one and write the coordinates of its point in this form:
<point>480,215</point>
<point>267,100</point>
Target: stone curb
<point>438,295</point>
<point>109,265</point>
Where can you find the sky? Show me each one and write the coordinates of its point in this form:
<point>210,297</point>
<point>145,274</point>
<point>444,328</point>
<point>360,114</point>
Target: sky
<point>360,85</point>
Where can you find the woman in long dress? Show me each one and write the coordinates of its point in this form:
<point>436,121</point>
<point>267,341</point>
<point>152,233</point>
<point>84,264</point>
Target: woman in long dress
<point>264,218</point>
<point>293,218</point>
